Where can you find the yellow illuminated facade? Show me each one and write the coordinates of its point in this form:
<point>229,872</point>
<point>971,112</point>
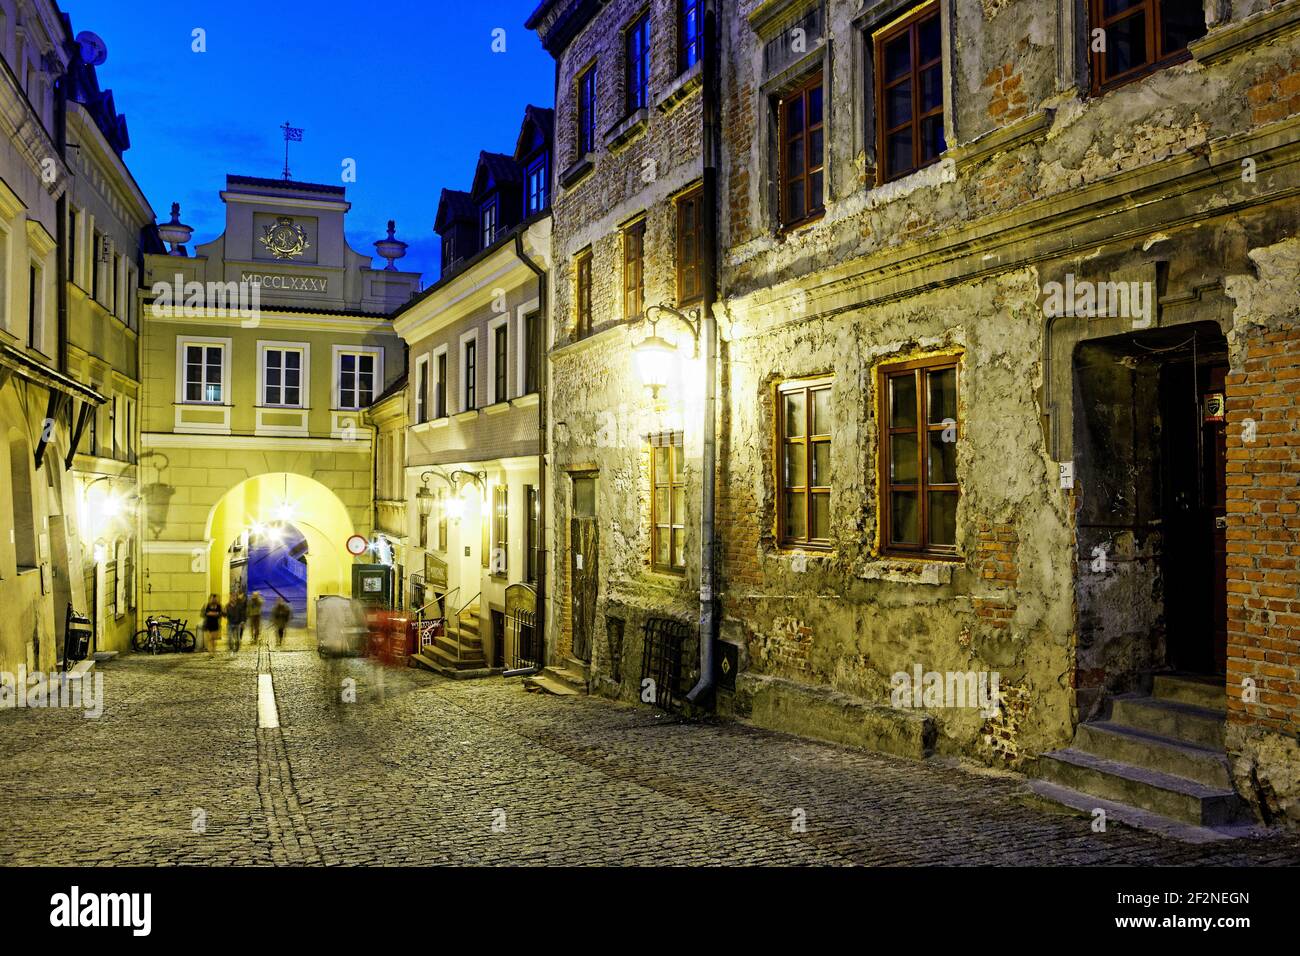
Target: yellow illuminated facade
<point>257,370</point>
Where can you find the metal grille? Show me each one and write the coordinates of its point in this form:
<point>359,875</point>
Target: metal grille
<point>661,659</point>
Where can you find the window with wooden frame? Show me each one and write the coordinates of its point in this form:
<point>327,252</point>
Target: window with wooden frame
<point>500,529</point>
<point>1139,36</point>
<point>909,94</point>
<point>586,100</point>
<point>633,269</point>
<point>690,247</point>
<point>582,292</point>
<point>802,159</point>
<point>803,427</point>
<point>532,532</point>
<point>636,59</point>
<point>690,23</point>
<point>667,504</point>
<point>918,457</point>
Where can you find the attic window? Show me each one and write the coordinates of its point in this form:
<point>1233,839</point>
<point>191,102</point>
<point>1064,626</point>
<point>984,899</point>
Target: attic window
<point>488,221</point>
<point>537,185</point>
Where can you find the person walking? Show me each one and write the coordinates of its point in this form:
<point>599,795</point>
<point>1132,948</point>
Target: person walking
<point>280,615</point>
<point>255,616</point>
<point>236,612</point>
<point>211,615</point>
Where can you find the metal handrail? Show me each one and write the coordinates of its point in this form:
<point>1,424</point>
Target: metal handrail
<point>419,614</point>
<point>457,620</point>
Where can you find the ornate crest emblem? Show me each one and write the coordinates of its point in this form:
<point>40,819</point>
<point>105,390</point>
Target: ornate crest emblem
<point>284,239</point>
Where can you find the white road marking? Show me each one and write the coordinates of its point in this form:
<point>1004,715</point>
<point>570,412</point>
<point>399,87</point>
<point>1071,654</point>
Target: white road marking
<point>267,715</point>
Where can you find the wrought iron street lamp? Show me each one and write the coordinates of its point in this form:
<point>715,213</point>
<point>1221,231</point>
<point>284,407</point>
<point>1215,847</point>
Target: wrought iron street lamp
<point>655,356</point>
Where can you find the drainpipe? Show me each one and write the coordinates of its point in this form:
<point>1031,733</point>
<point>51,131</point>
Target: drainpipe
<point>61,228</point>
<point>543,381</point>
<point>699,694</point>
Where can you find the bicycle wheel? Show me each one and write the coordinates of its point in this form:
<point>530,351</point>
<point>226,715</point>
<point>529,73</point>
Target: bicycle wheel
<point>185,642</point>
<point>141,640</point>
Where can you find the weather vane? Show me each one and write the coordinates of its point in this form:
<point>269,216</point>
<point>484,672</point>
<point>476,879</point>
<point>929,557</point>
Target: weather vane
<point>291,134</point>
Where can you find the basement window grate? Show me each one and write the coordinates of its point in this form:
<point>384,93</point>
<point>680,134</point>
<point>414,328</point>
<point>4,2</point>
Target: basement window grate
<point>661,659</point>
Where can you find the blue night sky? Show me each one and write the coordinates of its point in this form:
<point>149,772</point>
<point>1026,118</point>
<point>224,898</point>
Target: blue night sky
<point>410,89</point>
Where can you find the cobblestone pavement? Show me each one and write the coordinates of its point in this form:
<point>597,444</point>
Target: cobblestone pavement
<point>422,770</point>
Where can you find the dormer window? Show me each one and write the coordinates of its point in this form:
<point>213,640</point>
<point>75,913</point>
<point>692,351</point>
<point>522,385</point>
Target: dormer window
<point>537,185</point>
<point>488,221</point>
<point>448,249</point>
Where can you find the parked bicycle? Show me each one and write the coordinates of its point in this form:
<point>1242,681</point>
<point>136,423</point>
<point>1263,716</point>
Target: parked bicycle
<point>162,634</point>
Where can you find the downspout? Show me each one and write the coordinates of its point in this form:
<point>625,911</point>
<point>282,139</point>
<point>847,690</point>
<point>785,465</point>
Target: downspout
<point>700,693</point>
<point>543,381</point>
<point>61,228</point>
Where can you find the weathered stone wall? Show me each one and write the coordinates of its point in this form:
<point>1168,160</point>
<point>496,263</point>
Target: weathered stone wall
<point>600,414</point>
<point>1152,180</point>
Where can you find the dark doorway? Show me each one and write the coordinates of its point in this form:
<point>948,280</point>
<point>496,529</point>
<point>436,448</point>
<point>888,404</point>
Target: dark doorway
<point>1149,461</point>
<point>1194,512</point>
<point>275,566</point>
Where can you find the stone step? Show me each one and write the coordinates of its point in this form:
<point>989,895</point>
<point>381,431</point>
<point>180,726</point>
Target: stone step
<point>469,646</point>
<point>1162,793</point>
<point>1127,745</point>
<point>576,679</point>
<point>544,684</point>
<point>1167,718</point>
<point>439,666</point>
<point>448,658</point>
<point>1209,693</point>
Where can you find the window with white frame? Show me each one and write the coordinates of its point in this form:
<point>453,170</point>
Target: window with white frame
<point>499,358</point>
<point>469,372</point>
<point>283,374</point>
<point>204,372</point>
<point>357,373</point>
<point>422,389</point>
<point>440,383</point>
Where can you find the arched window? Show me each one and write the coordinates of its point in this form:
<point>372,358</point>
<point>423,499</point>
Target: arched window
<point>20,484</point>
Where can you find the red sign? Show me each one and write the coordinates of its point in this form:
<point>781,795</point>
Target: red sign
<point>357,545</point>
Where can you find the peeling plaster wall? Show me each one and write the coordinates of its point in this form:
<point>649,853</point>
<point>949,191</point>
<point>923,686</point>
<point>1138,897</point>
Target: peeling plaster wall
<point>850,619</point>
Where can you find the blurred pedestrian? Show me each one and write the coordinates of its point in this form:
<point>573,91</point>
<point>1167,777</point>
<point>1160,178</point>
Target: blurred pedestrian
<point>236,612</point>
<point>280,615</point>
<point>211,615</point>
<point>255,615</point>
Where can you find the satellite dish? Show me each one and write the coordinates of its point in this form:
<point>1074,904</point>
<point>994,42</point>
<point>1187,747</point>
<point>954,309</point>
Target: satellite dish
<point>93,49</point>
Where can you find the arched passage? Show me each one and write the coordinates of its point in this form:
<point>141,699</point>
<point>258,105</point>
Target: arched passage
<point>282,499</point>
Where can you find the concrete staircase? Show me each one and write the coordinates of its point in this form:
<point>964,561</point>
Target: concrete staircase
<point>568,679</point>
<point>442,656</point>
<point>1160,754</point>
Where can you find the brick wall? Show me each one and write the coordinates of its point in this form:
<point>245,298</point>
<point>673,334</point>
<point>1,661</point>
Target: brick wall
<point>995,563</point>
<point>1263,475</point>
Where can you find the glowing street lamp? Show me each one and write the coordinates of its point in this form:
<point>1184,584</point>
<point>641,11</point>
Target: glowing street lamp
<point>655,356</point>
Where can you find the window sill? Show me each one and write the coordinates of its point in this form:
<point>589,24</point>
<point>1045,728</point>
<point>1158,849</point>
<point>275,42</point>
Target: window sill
<point>496,408</point>
<point>466,416</point>
<point>628,129</point>
<point>789,229</point>
<point>1101,89</point>
<point>686,83</point>
<point>1226,39</point>
<point>571,176</point>
<point>933,571</point>
<point>526,401</point>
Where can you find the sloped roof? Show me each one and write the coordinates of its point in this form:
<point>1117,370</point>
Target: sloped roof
<point>454,205</point>
<point>503,170</point>
<point>540,119</point>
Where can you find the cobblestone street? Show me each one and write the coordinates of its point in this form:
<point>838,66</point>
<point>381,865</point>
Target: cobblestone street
<point>429,771</point>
